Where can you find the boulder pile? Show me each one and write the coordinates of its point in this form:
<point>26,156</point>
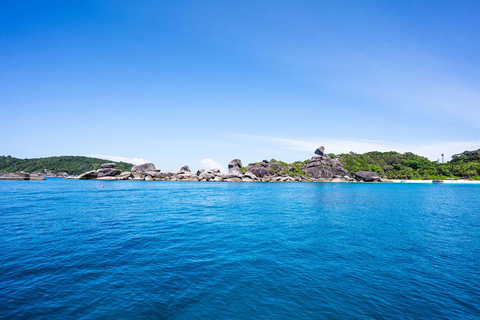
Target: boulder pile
<point>320,168</point>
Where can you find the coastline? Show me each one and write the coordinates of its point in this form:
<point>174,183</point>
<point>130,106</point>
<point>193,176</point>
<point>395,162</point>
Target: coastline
<point>431,181</point>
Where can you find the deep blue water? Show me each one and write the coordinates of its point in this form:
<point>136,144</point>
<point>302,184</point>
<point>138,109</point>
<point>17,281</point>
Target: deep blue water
<point>190,250</point>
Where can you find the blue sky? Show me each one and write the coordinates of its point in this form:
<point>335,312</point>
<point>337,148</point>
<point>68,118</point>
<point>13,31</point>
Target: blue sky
<point>202,82</point>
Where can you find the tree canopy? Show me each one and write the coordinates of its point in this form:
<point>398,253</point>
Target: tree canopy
<point>69,164</point>
<point>394,165</point>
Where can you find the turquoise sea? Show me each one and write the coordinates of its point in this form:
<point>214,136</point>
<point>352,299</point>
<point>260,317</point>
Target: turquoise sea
<point>189,250</point>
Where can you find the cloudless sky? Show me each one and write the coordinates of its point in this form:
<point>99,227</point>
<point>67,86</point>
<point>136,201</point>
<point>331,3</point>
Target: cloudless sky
<point>178,82</point>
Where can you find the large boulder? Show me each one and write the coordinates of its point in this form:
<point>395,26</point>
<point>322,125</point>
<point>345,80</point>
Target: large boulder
<point>233,173</point>
<point>124,175</point>
<point>324,167</point>
<point>108,172</point>
<point>138,176</point>
<point>250,175</point>
<point>259,171</point>
<point>318,171</point>
<point>235,163</point>
<point>206,176</point>
<point>320,151</point>
<point>184,169</point>
<point>144,167</point>
<point>88,175</point>
<point>108,165</point>
<point>367,176</point>
<point>155,174</point>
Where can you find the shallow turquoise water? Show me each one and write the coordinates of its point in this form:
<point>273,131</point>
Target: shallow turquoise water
<point>190,250</point>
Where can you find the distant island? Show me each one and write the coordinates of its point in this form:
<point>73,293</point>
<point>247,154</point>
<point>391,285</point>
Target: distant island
<point>322,167</point>
<point>61,166</point>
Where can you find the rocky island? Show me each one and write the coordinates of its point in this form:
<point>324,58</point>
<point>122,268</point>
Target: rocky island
<point>320,168</point>
<point>22,176</point>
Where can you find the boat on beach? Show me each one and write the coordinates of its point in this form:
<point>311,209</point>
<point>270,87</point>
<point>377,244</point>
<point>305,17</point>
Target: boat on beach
<point>437,181</point>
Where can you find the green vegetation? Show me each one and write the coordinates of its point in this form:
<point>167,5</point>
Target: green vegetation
<point>394,165</point>
<point>68,164</point>
<point>290,169</point>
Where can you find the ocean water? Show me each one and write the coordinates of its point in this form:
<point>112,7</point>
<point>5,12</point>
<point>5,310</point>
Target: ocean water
<point>189,250</point>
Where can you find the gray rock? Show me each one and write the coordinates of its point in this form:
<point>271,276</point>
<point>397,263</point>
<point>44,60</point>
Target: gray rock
<point>233,173</point>
<point>108,172</point>
<point>184,169</point>
<point>367,176</point>
<point>320,151</point>
<point>138,176</point>
<point>108,165</point>
<point>206,176</point>
<point>124,175</point>
<point>200,171</point>
<point>250,175</point>
<point>88,175</point>
<point>185,175</point>
<point>235,163</point>
<point>214,171</point>
<point>144,167</point>
<point>155,174</point>
<point>318,171</point>
<point>259,171</point>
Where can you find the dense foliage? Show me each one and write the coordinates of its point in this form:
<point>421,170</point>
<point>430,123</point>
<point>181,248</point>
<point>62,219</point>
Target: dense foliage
<point>68,164</point>
<point>394,165</point>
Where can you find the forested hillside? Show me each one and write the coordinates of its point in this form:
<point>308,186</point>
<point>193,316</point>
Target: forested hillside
<point>68,164</point>
<point>394,165</point>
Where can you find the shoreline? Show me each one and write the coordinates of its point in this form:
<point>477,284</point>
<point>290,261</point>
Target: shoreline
<point>431,181</point>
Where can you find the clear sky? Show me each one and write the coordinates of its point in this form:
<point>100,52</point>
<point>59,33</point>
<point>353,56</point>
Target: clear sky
<point>199,82</point>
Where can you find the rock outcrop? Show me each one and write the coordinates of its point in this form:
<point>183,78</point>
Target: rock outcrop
<point>259,170</point>
<point>235,163</point>
<point>50,174</point>
<point>108,172</point>
<point>21,176</point>
<point>88,175</point>
<point>184,169</point>
<point>320,151</point>
<point>325,168</point>
<point>368,176</point>
<point>320,168</point>
<point>144,167</point>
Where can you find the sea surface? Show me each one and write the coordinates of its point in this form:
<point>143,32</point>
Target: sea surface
<point>189,250</point>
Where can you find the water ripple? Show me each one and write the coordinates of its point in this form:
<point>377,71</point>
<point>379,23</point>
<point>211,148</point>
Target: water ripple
<point>172,250</point>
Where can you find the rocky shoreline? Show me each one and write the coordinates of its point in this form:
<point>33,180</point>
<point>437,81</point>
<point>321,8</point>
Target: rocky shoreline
<point>320,168</point>
<point>22,176</point>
